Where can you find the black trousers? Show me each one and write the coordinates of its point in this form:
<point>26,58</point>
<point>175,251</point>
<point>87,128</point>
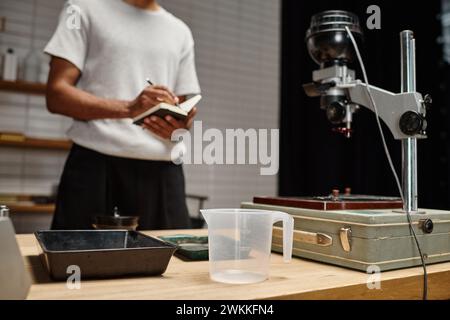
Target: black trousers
<point>92,184</point>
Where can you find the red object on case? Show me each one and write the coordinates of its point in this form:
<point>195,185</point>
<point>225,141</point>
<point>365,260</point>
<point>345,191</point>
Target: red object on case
<point>354,202</point>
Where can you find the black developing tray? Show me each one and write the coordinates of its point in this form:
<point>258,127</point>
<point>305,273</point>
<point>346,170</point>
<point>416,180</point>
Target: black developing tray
<point>103,253</point>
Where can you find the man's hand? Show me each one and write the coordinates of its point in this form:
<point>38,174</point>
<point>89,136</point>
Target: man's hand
<point>165,127</point>
<point>150,97</point>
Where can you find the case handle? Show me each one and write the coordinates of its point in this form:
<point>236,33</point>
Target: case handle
<point>319,239</point>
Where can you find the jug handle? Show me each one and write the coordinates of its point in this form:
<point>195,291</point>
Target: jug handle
<point>288,233</point>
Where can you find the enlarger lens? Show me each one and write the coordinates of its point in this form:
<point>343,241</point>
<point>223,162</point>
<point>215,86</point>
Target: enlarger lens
<point>327,40</point>
<point>336,112</point>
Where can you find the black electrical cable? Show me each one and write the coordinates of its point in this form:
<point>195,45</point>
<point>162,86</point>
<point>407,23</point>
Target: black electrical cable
<point>386,149</point>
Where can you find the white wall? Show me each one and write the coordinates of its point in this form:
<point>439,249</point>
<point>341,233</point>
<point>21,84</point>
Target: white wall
<point>237,47</point>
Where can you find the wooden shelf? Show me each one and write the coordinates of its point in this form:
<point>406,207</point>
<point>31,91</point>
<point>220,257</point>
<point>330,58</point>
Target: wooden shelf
<point>35,208</point>
<point>23,87</point>
<point>35,143</point>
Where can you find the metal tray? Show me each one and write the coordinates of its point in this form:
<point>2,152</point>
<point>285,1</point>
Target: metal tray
<point>103,253</point>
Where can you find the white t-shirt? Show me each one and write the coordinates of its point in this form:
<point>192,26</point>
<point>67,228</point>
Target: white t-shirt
<point>117,47</point>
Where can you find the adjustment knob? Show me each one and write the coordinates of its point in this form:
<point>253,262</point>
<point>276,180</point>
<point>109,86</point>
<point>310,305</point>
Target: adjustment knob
<point>427,101</point>
<point>426,225</point>
<point>412,123</point>
<point>335,194</point>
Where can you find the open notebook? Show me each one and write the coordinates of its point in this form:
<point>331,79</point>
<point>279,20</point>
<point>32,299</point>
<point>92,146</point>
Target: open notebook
<point>164,109</point>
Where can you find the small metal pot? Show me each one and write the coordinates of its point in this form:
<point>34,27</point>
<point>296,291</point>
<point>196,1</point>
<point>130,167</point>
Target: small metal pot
<point>116,222</point>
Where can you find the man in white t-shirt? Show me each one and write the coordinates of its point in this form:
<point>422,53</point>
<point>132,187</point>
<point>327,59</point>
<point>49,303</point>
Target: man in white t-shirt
<point>102,52</point>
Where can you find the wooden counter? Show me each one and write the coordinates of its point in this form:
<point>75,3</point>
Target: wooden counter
<point>300,279</point>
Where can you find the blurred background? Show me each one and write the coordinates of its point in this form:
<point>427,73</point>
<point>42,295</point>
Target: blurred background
<point>238,63</point>
<point>252,62</point>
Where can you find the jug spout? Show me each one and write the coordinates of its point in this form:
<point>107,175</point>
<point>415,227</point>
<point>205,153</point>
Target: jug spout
<point>206,214</point>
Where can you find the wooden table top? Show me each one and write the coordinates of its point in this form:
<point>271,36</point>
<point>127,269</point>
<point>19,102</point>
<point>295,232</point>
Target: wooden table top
<point>300,279</point>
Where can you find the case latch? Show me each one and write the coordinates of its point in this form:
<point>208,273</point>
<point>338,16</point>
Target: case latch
<point>345,234</point>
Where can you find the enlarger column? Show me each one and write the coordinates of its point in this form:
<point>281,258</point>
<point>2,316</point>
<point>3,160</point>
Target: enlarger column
<point>409,145</point>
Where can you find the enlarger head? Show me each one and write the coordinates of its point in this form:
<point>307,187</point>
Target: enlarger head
<point>327,40</point>
<point>330,46</point>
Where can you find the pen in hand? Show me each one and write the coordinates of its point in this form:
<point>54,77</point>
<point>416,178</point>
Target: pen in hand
<point>151,83</point>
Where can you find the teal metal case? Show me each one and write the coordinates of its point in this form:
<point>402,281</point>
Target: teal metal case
<point>361,239</point>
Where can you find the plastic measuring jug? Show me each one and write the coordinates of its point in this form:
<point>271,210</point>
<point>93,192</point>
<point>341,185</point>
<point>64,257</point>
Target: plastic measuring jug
<point>240,242</point>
